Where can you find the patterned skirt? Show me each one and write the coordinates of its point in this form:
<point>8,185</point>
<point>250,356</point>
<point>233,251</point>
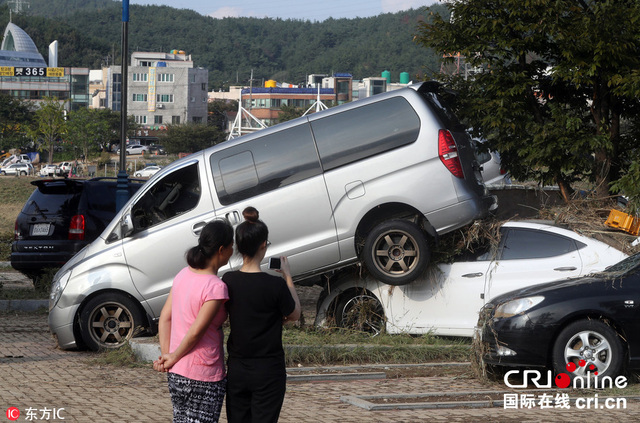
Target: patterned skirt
<point>195,401</point>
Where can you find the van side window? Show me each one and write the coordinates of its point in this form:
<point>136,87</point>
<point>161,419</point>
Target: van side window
<point>176,193</point>
<point>264,164</point>
<point>365,131</point>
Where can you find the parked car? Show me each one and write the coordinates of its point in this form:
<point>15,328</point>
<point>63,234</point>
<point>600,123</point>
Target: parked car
<point>147,171</point>
<point>581,327</point>
<point>446,301</point>
<point>157,149</point>
<point>60,217</point>
<point>49,170</point>
<point>136,149</point>
<point>18,169</point>
<point>374,180</point>
<point>65,168</point>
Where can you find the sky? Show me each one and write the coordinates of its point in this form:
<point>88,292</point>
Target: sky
<point>317,10</point>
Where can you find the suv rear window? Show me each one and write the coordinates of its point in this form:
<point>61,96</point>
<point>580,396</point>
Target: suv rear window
<point>53,198</point>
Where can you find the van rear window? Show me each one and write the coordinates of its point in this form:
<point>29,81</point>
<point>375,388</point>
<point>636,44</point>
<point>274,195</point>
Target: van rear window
<point>365,131</point>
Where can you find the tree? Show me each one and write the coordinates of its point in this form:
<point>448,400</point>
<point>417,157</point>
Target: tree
<point>88,128</point>
<point>217,113</point>
<point>190,137</point>
<point>555,82</point>
<point>49,122</point>
<point>288,112</point>
<point>15,117</point>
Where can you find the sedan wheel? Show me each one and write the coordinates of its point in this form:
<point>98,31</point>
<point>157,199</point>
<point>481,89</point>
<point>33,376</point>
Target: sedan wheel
<point>109,321</point>
<point>361,312</point>
<point>591,347</point>
<point>396,252</point>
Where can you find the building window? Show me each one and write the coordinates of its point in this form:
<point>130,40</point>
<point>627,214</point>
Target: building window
<point>192,99</point>
<point>141,120</point>
<point>175,120</point>
<point>157,120</point>
<point>197,119</point>
<point>146,64</point>
<point>140,77</point>
<point>204,86</point>
<point>165,77</point>
<point>164,98</point>
<point>139,97</point>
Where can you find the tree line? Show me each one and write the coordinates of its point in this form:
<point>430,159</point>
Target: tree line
<point>89,35</point>
<point>555,88</point>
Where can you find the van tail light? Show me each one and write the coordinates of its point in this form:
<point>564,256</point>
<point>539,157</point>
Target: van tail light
<point>448,152</point>
<point>502,171</point>
<point>76,228</point>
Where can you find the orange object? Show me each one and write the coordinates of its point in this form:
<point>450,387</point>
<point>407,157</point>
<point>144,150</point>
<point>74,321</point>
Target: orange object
<point>623,221</point>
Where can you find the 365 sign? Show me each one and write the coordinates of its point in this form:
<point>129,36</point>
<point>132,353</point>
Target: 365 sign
<point>31,71</point>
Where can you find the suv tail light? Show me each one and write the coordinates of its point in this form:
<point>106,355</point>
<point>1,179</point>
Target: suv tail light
<point>76,228</point>
<point>448,152</point>
<point>16,232</point>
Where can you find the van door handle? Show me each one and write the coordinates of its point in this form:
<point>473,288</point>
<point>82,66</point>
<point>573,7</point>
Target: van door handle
<point>197,228</point>
<point>472,275</point>
<point>565,269</point>
<point>233,217</point>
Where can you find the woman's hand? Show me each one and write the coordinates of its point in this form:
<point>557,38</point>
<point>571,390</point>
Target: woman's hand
<point>284,268</point>
<point>158,365</point>
<point>164,363</point>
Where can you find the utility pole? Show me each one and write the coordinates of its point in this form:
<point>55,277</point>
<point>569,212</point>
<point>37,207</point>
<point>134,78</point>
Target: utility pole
<point>122,187</point>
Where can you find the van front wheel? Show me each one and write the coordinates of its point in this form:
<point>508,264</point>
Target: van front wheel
<point>396,252</point>
<point>109,321</point>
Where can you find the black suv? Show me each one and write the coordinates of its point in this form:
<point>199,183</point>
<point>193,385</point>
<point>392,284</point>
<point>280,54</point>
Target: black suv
<point>60,218</point>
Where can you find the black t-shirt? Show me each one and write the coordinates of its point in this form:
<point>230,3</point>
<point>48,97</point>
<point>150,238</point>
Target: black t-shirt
<point>256,306</point>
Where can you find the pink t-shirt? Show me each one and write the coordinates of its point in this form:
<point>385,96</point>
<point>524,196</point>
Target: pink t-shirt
<point>190,291</point>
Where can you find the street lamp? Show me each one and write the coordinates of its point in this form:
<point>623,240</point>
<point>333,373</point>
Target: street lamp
<point>122,189</point>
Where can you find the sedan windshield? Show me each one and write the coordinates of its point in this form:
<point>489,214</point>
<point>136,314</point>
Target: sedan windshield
<point>627,265</point>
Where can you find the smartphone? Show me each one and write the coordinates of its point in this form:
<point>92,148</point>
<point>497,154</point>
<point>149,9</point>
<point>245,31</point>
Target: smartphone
<point>274,263</point>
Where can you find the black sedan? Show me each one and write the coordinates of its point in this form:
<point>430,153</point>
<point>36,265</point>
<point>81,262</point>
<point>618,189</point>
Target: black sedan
<point>587,326</point>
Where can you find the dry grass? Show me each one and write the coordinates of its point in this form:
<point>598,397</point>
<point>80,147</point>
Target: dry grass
<point>14,193</point>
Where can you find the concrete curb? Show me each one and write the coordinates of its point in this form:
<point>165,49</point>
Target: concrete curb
<point>145,348</point>
<point>23,305</point>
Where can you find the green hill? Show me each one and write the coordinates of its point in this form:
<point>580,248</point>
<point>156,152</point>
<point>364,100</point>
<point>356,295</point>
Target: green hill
<point>89,34</point>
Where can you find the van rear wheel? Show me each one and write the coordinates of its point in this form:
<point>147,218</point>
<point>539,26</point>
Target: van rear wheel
<point>396,252</point>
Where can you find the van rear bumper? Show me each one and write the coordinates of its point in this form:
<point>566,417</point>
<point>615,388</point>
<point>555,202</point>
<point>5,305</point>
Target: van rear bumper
<point>461,214</point>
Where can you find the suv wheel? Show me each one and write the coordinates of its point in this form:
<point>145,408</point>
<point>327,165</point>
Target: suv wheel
<point>23,173</point>
<point>109,321</point>
<point>396,252</point>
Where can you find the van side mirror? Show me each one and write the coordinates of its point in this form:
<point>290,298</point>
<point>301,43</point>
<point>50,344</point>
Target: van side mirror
<point>126,225</point>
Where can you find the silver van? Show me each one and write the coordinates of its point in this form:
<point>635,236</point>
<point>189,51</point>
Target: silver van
<point>376,180</point>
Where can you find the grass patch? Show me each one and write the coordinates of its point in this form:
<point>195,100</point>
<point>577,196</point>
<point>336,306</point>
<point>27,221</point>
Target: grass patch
<point>302,355</point>
<point>23,294</point>
<point>326,336</point>
<point>120,357</point>
<point>317,346</point>
<point>14,192</point>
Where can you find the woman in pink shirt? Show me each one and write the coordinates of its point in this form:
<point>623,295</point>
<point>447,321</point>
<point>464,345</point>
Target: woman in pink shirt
<point>190,329</point>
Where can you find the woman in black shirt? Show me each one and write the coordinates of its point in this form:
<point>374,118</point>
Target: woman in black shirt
<point>258,305</point>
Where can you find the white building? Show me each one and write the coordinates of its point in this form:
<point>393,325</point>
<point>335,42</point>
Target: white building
<point>163,88</point>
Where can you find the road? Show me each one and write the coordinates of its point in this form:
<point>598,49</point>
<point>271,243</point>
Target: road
<point>47,384</point>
